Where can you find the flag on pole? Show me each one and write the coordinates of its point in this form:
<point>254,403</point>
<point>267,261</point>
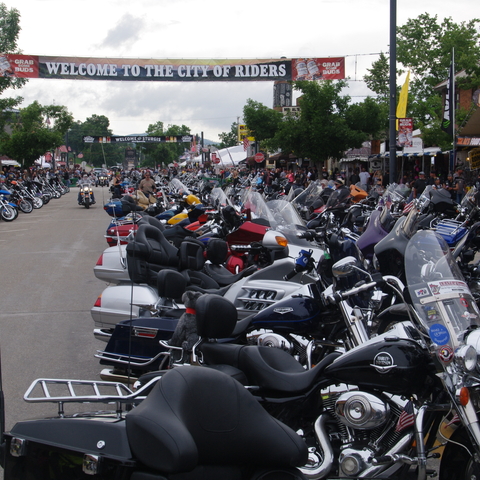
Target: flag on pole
<point>246,143</point>
<point>449,103</point>
<point>403,99</point>
<point>407,417</point>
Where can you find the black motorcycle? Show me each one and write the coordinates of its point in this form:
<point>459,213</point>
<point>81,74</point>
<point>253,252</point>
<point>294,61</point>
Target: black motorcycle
<point>193,423</point>
<point>386,405</point>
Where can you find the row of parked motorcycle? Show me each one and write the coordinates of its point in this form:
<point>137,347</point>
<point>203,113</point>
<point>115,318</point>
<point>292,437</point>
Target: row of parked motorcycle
<point>327,333</point>
<point>26,196</point>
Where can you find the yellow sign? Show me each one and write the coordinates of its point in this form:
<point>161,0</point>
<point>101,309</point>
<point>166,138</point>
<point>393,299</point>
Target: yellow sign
<point>475,158</point>
<point>243,131</point>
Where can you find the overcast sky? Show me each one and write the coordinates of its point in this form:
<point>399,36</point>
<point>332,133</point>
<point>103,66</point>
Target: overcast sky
<point>193,29</point>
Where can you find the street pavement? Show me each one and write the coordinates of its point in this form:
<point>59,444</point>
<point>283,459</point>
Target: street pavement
<point>47,287</point>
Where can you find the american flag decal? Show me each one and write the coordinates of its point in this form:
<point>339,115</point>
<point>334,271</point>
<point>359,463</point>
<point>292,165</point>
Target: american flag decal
<point>408,207</point>
<point>407,417</point>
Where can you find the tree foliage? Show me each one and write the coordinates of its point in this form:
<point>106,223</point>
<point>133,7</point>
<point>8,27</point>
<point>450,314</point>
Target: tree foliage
<point>229,139</point>
<point>164,153</point>
<point>32,136</point>
<point>9,30</point>
<point>327,126</point>
<point>424,46</point>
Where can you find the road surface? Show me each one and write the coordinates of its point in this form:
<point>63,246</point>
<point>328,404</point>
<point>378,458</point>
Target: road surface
<point>47,288</point>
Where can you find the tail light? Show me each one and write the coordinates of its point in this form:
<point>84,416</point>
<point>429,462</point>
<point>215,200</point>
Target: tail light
<point>100,260</point>
<point>98,303</point>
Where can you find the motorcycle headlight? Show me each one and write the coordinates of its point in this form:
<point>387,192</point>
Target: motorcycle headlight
<point>466,357</point>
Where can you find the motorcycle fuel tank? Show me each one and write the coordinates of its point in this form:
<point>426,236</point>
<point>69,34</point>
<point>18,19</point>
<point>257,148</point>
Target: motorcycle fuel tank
<point>394,365</point>
<point>297,314</point>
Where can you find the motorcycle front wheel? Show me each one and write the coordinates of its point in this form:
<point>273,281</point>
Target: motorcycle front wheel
<point>86,203</point>
<point>25,206</point>
<point>458,461</point>
<point>37,202</point>
<point>9,213</point>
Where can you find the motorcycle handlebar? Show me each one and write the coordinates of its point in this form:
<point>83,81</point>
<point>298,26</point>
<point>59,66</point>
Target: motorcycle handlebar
<point>339,296</point>
<point>290,275</point>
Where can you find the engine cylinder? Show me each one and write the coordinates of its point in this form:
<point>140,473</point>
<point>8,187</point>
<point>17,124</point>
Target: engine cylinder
<point>361,410</point>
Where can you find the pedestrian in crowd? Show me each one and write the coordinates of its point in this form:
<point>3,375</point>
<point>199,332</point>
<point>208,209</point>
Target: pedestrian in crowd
<point>117,193</point>
<point>364,178</point>
<point>419,185</point>
<point>354,177</point>
<point>431,179</point>
<point>459,185</point>
<point>449,185</point>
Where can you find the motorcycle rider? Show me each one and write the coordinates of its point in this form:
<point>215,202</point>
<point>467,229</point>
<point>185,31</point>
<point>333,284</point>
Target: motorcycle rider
<point>147,184</point>
<point>85,180</point>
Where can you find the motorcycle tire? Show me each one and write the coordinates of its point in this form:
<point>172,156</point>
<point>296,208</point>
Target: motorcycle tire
<point>56,194</point>
<point>46,199</point>
<point>457,463</point>
<point>38,202</point>
<point>9,213</point>
<point>25,206</point>
<point>86,203</point>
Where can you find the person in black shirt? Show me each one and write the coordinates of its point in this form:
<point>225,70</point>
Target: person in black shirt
<point>449,185</point>
<point>419,185</point>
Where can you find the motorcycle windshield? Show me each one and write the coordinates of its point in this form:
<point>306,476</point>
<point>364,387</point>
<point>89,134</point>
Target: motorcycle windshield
<point>178,187</point>
<point>218,198</point>
<point>309,195</point>
<point>338,197</point>
<point>439,293</point>
<point>279,214</point>
<point>397,193</point>
<point>469,199</point>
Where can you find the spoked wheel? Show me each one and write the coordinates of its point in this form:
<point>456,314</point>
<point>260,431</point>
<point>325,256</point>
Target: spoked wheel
<point>46,199</point>
<point>25,206</point>
<point>37,202</point>
<point>9,213</point>
<point>56,194</point>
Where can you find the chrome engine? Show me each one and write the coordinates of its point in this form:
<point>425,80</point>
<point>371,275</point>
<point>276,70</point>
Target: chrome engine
<point>365,430</point>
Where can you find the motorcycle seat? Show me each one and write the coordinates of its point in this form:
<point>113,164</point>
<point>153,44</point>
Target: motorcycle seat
<point>147,219</point>
<point>196,417</point>
<point>148,253</point>
<point>268,368</point>
<point>217,253</point>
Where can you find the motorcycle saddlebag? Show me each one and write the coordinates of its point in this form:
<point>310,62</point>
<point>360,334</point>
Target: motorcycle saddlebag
<point>72,448</point>
<point>114,208</point>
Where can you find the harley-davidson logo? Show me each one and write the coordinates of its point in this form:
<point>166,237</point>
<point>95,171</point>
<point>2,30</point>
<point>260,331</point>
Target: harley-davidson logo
<point>283,310</point>
<point>383,362</point>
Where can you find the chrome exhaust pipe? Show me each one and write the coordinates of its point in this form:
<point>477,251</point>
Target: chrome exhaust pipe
<point>320,468</point>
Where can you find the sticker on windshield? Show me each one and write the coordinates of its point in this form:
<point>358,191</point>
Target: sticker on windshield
<point>439,334</point>
<point>422,292</point>
<point>448,286</point>
<point>445,354</point>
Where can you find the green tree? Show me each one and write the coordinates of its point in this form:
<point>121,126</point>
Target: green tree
<point>328,123</point>
<point>32,136</point>
<point>424,46</point>
<point>158,153</point>
<point>229,139</point>
<point>9,30</point>
<point>263,123</point>
<point>96,154</point>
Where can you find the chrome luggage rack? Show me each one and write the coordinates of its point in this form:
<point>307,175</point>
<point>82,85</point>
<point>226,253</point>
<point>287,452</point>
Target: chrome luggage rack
<point>85,391</point>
